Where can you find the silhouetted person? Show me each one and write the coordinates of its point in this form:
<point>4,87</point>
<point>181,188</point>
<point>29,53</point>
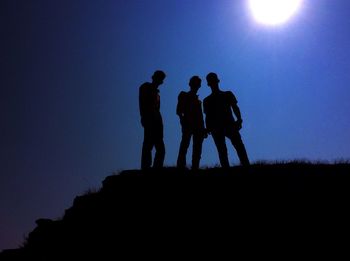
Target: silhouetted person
<point>218,107</point>
<point>151,120</point>
<point>189,110</point>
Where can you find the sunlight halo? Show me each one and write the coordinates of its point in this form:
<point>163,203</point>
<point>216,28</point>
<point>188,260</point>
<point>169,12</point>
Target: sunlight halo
<point>273,12</point>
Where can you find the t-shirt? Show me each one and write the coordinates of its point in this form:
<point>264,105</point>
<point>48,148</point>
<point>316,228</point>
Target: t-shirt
<point>190,108</point>
<point>218,110</point>
<point>149,102</point>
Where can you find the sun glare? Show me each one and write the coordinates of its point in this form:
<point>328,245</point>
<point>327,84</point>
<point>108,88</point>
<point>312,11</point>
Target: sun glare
<point>273,12</point>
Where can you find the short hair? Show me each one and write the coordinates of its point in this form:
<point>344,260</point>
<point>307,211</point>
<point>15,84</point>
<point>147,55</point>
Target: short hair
<point>212,77</point>
<point>194,79</point>
<point>158,75</point>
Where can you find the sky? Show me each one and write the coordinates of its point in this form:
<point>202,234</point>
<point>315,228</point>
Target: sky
<point>70,73</point>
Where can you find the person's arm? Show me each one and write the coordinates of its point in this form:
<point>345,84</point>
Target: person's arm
<point>179,106</point>
<point>208,126</point>
<point>201,120</point>
<point>236,110</point>
<point>141,102</point>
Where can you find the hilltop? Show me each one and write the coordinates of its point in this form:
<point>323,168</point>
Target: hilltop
<point>168,212</point>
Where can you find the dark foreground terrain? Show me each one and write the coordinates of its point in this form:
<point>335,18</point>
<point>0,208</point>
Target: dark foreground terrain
<point>172,213</point>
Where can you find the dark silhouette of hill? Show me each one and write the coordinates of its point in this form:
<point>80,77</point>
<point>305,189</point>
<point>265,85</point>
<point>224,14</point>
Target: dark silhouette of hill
<point>189,214</point>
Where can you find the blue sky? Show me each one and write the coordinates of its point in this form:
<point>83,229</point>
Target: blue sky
<point>71,72</point>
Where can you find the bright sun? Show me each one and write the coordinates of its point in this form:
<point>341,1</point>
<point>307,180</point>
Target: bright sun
<point>273,12</point>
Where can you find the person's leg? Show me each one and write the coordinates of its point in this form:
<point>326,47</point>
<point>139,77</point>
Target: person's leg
<point>146,156</point>
<point>160,154</point>
<point>185,143</point>
<point>160,147</point>
<point>238,144</point>
<point>220,143</point>
<point>197,150</point>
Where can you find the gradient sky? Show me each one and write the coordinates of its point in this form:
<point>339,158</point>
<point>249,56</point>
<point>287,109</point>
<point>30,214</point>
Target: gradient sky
<point>70,72</point>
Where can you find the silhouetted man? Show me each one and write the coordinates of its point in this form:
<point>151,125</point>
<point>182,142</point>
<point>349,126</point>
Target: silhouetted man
<point>151,120</point>
<point>189,110</point>
<point>218,107</point>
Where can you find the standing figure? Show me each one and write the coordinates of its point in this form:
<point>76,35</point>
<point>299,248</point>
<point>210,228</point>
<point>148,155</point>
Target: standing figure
<point>189,110</point>
<point>218,107</point>
<point>151,120</point>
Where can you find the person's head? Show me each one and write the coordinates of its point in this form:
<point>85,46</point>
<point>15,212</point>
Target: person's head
<point>158,77</point>
<point>212,80</point>
<point>195,83</point>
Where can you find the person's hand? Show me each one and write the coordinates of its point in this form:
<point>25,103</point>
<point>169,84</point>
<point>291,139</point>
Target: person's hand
<point>182,121</point>
<point>239,124</point>
<point>206,133</point>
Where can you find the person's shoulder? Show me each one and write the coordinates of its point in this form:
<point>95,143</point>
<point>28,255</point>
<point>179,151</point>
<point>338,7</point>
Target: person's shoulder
<point>145,85</point>
<point>182,94</point>
<point>230,95</point>
<point>206,99</point>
